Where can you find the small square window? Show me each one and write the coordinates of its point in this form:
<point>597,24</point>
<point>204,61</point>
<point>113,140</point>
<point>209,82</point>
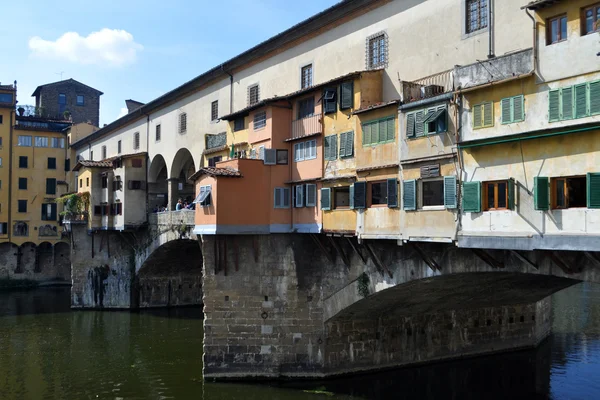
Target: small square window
<point>556,29</point>
<point>253,95</point>
<point>22,183</point>
<point>432,193</point>
<point>22,161</point>
<point>495,195</point>
<point>214,110</point>
<point>306,76</point>
<point>80,100</point>
<point>377,51</point>
<point>238,124</point>
<point>569,192</point>
<point>477,15</point>
<point>341,197</point>
<point>306,108</point>
<point>282,157</point>
<point>51,163</point>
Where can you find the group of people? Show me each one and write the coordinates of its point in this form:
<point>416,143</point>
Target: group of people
<point>186,204</point>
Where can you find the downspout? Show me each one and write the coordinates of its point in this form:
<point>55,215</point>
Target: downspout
<point>10,176</point>
<point>491,27</point>
<point>535,42</point>
<point>458,102</point>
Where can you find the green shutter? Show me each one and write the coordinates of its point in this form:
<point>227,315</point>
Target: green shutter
<point>595,98</point>
<point>349,144</point>
<point>506,110</point>
<point>392,193</point>
<point>477,116</point>
<point>347,94</point>
<point>330,147</point>
<point>488,114</point>
<point>360,195</point>
<point>342,144</point>
<point>419,126</point>
<point>471,197</point>
<point>429,113</point>
<point>374,132</point>
<point>581,107</point>
<point>567,109</point>
<point>366,139</point>
<point>553,105</point>
<point>326,199</point>
<point>593,190</point>
<point>391,129</point>
<point>410,125</point>
<point>541,191</point>
<point>450,192</point>
<point>518,108</point>
<point>382,131</point>
<point>409,193</point>
<point>511,194</point>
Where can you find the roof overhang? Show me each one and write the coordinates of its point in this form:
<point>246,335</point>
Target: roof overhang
<point>536,5</point>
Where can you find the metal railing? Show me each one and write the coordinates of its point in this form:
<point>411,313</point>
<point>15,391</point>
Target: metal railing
<point>429,86</point>
<point>306,126</point>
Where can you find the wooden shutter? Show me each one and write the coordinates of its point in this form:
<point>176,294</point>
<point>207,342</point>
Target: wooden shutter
<point>410,125</point>
<point>488,114</point>
<point>349,139</point>
<point>342,144</point>
<point>477,116</point>
<point>518,108</point>
<point>360,195</point>
<point>581,107</point>
<point>593,190</point>
<point>409,195</point>
<point>595,98</point>
<point>430,171</point>
<point>331,147</point>
<point>67,165</point>
<point>506,110</point>
<point>261,153</point>
<point>541,198</point>
<point>299,196</point>
<point>471,197</point>
<point>391,129</point>
<point>375,128</point>
<point>567,109</point>
<point>392,193</point>
<point>450,192</point>
<point>554,105</point>
<point>50,186</point>
<point>277,198</point>
<point>366,128</point>
<point>326,199</point>
<point>419,127</point>
<point>511,193</point>
<point>347,95</point>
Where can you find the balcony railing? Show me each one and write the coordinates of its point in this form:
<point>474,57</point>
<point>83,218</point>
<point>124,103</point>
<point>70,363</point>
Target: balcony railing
<point>306,126</point>
<point>430,86</point>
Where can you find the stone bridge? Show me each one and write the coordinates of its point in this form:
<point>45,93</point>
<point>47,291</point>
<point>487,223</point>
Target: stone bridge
<point>314,306</point>
<point>157,266</point>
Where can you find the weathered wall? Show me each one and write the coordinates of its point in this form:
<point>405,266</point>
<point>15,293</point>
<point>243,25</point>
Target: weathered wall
<point>44,263</point>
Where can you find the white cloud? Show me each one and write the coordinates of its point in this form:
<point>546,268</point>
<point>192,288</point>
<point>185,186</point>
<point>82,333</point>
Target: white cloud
<point>112,47</point>
<point>123,112</point>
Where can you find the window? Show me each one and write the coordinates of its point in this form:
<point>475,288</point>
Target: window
<point>0,161</point>
<point>306,107</point>
<point>51,186</point>
<point>51,163</point>
<point>79,99</point>
<point>157,133</point>
<point>305,150</point>
<point>214,160</point>
<point>119,147</point>
<point>377,47</point>
<point>306,76</point>
<point>104,152</point>
<point>253,95</point>
<point>346,95</point>
<point>57,143</point>
<point>67,165</point>
<point>311,195</point>
<point>22,206</point>
<point>498,195</point>
<point>260,120</point>
<point>569,192</point>
<point>62,103</point>
<point>81,182</point>
<point>281,198</point>
<point>346,144</point>
<point>477,15</point>
<point>282,157</point>
<point>24,141</point>
<point>330,100</point>
<point>578,101</point>
<point>49,212</point>
<point>427,121</point>
<point>104,182</point>
<point>182,123</point>
<point>214,110</point>
<point>341,197</point>
<point>238,124</point>
<point>87,182</point>
<point>512,109</point>
<point>136,140</point>
<point>330,151</point>
<point>483,115</point>
<point>22,183</point>
<point>379,131</point>
<point>379,193</point>
<point>432,193</point>
<point>591,18</point>
<point>41,141</point>
<point>299,196</point>
<point>117,184</point>
<point>98,210</point>
<point>6,98</point>
<point>116,209</point>
<point>556,29</point>
<point>91,155</point>
<point>204,197</point>
<point>3,228</point>
<point>136,185</point>
<point>1,116</point>
<point>136,163</point>
<point>22,161</point>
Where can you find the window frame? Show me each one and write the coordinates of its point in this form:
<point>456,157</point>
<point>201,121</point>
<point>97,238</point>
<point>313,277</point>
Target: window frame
<point>182,123</point>
<point>553,197</point>
<point>306,81</point>
<point>26,139</point>
<point>136,140</point>
<point>26,162</point>
<point>334,195</point>
<point>253,98</point>
<point>370,186</point>
<point>420,198</point>
<point>484,195</point>
<point>22,180</point>
<point>19,203</point>
<point>595,8</point>
<point>300,103</point>
<point>287,156</point>
<point>236,125</point>
<point>157,133</point>
<point>119,148</point>
<point>49,163</point>
<point>378,38</point>
<point>558,18</point>
<point>279,201</point>
<point>214,111</point>
<point>262,121</point>
<point>480,25</point>
<point>77,102</point>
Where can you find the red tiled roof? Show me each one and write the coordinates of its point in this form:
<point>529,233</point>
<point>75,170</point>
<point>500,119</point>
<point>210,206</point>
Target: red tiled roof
<point>374,167</point>
<point>216,171</point>
<point>93,164</point>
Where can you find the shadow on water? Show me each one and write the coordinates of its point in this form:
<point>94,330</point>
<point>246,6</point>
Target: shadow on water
<point>191,312</point>
<point>43,300</point>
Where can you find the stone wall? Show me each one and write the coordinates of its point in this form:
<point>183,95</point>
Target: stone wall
<point>44,264</point>
<point>90,111</point>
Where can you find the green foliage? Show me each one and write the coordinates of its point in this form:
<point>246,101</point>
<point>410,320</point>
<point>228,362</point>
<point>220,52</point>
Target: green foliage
<point>74,203</point>
<point>363,284</point>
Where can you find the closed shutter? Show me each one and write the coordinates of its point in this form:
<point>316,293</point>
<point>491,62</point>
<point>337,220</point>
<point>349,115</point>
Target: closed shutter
<point>567,109</point>
<point>554,105</point>
<point>391,129</point>
<point>53,212</point>
<point>506,110</point>
<point>471,197</point>
<point>270,156</point>
<point>67,165</point>
<point>419,127</point>
<point>450,192</point>
<point>518,108</point>
<point>409,195</point>
<point>50,186</point>
<point>392,193</point>
<point>541,192</point>
<point>410,125</point>
<point>4,228</point>
<point>477,116</point>
<point>311,195</point>
<point>349,144</point>
<point>360,195</point>
<point>593,190</point>
<point>331,147</point>
<point>299,196</point>
<point>595,98</point>
<point>326,199</point>
<point>330,100</point>
<point>366,128</point>
<point>375,128</point>
<point>383,128</point>
<point>511,194</point>
<point>488,114</point>
<point>347,100</point>
<point>581,108</point>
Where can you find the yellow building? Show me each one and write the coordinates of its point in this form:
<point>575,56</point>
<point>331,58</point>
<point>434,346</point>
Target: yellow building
<point>7,117</point>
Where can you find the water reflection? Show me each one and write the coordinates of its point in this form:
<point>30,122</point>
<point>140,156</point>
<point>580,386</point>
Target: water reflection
<point>49,352</point>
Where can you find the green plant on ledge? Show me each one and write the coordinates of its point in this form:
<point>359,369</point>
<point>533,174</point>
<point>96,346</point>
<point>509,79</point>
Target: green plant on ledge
<point>363,284</point>
<point>74,203</point>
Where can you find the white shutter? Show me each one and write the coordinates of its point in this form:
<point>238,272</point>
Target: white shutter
<point>270,156</point>
<point>299,152</point>
<point>286,197</point>
<point>299,196</point>
<point>311,195</point>
<point>311,151</point>
<point>253,154</point>
<point>261,153</point>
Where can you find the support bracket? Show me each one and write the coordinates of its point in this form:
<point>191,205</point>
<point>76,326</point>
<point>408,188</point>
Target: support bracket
<point>524,259</point>
<point>339,250</point>
<point>321,246</point>
<point>556,259</point>
<point>428,260</point>
<point>488,259</point>
<point>356,249</point>
<point>592,257</point>
<point>380,266</point>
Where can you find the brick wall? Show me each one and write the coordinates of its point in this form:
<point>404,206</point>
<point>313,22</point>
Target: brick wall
<point>90,111</point>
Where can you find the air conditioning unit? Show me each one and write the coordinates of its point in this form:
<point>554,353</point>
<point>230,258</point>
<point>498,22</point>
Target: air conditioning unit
<point>431,90</point>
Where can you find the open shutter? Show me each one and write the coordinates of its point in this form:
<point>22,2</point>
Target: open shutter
<point>450,192</point>
<point>567,109</point>
<point>270,156</point>
<point>360,195</point>
<point>410,125</point>
<point>506,110</point>
<point>518,109</point>
<point>351,197</point>
<point>593,190</point>
<point>392,193</point>
<point>471,196</point>
<point>477,116</point>
<point>511,194</point>
<point>349,150</point>
<point>581,108</point>
<point>53,212</point>
<point>488,114</point>
<point>595,98</point>
<point>342,144</point>
<point>419,127</point>
<point>409,195</point>
<point>541,193</point>
<point>347,94</point>
<point>554,105</point>
<point>299,196</point>
<point>326,199</point>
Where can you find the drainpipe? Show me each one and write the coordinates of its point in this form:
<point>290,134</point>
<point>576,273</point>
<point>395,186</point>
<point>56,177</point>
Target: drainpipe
<point>458,102</point>
<point>10,175</point>
<point>535,42</point>
<point>491,27</point>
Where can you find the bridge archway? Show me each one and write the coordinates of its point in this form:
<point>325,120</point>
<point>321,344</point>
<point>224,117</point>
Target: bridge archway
<point>45,259</point>
<point>158,190</point>
<point>180,186</point>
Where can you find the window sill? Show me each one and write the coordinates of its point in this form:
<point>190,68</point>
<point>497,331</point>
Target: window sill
<point>342,209</point>
<point>380,143</point>
<point>378,205</point>
<point>433,208</point>
<point>467,35</point>
<point>425,136</point>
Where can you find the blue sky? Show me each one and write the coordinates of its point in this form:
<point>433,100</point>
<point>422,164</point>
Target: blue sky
<point>133,49</point>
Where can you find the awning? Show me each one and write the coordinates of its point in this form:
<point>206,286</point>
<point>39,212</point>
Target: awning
<point>204,193</point>
<point>433,115</point>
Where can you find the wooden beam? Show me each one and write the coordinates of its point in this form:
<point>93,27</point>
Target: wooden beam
<point>380,266</point>
<point>592,257</point>
<point>339,250</point>
<point>556,259</point>
<point>521,257</point>
<point>357,250</point>
<point>488,259</point>
<point>428,260</point>
<point>321,246</point>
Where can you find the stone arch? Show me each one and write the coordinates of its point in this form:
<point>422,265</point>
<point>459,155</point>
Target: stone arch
<point>62,260</point>
<point>182,162</point>
<point>8,259</point>
<point>28,258</point>
<point>158,190</point>
<point>158,169</point>
<point>182,168</point>
<point>45,259</point>
<point>172,275</point>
